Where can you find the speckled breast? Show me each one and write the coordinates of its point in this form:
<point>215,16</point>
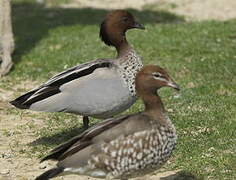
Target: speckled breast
<point>128,68</point>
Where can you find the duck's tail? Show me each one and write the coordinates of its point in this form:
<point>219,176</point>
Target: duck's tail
<point>20,101</point>
<point>50,173</point>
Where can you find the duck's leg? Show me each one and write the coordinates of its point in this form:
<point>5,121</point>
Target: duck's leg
<point>85,122</point>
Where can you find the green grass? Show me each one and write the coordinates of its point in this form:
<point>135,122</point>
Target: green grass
<point>200,56</point>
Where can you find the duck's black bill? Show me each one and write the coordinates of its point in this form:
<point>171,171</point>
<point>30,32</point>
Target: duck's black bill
<point>138,26</point>
<point>174,85</point>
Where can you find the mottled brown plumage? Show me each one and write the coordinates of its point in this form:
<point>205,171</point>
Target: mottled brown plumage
<point>123,147</point>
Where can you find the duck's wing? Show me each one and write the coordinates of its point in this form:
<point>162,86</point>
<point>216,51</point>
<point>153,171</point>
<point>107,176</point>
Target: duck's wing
<point>85,139</point>
<point>52,86</point>
<point>76,144</point>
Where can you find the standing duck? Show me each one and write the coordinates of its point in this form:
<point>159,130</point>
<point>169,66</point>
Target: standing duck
<point>126,146</point>
<point>100,88</point>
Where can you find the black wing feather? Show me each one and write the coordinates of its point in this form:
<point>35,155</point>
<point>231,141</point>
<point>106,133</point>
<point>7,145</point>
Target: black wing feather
<point>50,173</point>
<point>19,102</point>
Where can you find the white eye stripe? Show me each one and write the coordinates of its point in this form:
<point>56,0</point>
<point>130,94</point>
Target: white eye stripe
<point>160,78</point>
<point>157,74</point>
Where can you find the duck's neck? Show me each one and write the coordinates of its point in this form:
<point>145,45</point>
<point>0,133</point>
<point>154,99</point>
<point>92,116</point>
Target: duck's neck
<point>122,48</point>
<point>118,40</point>
<point>155,108</point>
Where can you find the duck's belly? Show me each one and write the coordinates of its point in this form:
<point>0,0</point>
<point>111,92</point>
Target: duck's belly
<point>101,95</point>
<point>101,99</point>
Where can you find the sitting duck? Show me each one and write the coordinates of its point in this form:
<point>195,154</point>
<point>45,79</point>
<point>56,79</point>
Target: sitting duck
<point>123,147</point>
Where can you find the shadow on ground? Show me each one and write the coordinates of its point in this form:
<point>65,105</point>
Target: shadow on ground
<point>181,175</point>
<point>32,22</point>
<point>58,138</point>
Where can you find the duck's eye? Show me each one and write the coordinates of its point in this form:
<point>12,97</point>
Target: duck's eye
<point>157,74</point>
<point>125,19</point>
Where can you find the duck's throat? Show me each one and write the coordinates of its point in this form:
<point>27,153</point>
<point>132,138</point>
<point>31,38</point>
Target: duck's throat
<point>122,48</point>
<point>153,103</point>
<point>155,108</point>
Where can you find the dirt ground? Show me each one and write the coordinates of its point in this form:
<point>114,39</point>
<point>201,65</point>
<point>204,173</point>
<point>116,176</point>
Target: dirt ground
<point>17,165</point>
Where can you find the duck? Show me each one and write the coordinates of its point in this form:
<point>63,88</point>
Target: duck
<point>126,146</point>
<point>100,88</point>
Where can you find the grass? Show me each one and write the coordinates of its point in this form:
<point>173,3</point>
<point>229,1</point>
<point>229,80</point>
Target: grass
<point>200,56</point>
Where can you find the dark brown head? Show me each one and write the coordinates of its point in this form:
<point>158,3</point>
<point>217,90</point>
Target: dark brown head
<point>151,78</point>
<point>116,23</point>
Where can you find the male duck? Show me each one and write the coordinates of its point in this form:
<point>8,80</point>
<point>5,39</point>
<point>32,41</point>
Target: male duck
<point>100,88</point>
<point>126,146</point>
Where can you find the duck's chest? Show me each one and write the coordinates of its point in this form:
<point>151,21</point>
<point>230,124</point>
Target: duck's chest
<point>129,65</point>
<point>154,151</point>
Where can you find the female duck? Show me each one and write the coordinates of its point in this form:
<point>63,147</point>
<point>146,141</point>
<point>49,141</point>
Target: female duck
<point>126,146</point>
<point>101,88</point>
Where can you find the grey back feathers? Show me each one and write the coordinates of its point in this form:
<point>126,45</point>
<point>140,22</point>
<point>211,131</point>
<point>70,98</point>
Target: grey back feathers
<point>52,86</point>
